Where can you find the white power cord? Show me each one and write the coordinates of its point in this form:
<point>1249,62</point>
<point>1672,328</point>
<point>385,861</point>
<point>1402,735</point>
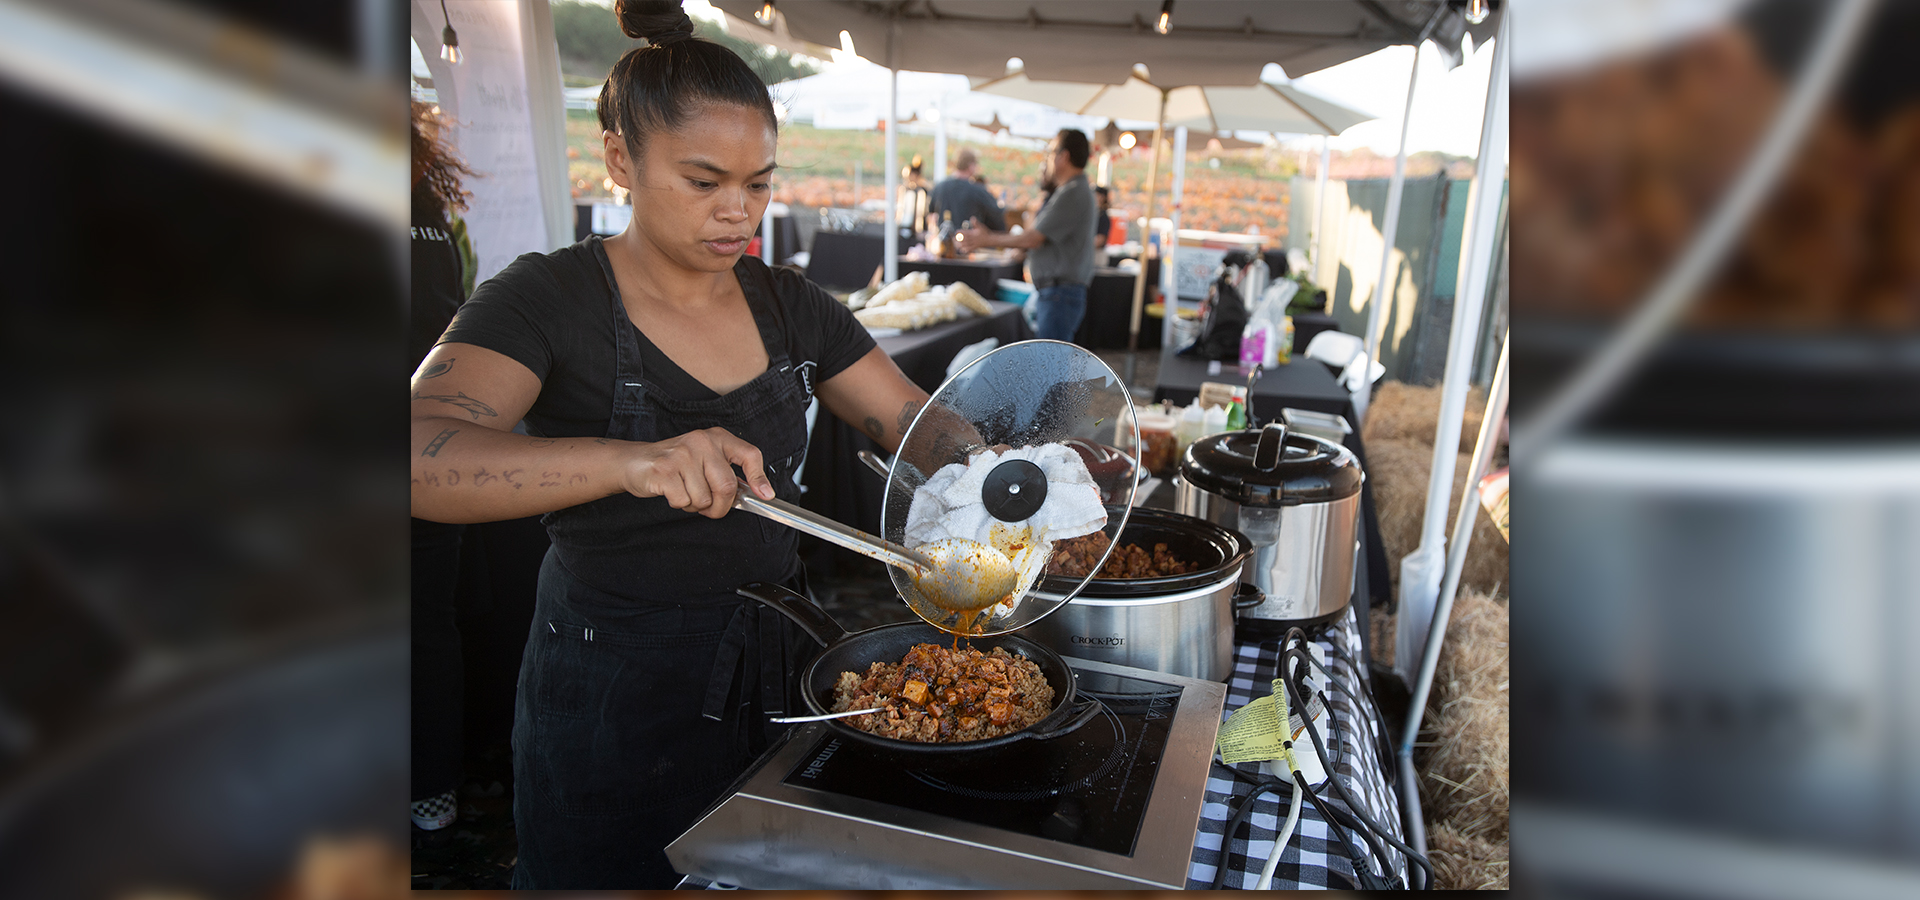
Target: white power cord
<point>1280,843</point>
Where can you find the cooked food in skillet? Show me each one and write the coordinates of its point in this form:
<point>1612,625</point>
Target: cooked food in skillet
<point>1076,557</point>
<point>939,695</point>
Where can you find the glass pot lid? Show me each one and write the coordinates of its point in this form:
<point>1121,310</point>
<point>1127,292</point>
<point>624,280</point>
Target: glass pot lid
<point>1013,428</point>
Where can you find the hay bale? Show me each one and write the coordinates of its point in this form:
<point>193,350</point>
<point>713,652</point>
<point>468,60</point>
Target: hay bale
<point>1398,469</point>
<point>1408,412</point>
<point>1463,767</point>
<point>1462,863</point>
<point>1464,770</point>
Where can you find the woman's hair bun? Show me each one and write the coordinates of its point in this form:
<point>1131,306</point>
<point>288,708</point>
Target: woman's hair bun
<point>651,19</point>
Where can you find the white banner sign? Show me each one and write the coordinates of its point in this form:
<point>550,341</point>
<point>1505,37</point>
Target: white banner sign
<point>486,95</point>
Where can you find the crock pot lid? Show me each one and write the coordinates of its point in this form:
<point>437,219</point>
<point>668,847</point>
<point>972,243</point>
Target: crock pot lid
<point>1310,470</point>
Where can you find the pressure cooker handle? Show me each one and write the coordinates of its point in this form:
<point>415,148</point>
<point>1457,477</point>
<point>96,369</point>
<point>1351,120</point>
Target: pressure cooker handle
<point>804,613</point>
<point>1246,596</point>
<point>1272,446</point>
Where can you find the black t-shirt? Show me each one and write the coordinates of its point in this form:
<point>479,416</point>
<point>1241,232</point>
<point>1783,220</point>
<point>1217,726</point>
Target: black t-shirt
<point>436,276</point>
<point>553,314</point>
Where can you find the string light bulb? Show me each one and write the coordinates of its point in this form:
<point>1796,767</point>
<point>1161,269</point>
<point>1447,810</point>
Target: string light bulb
<point>1127,140</point>
<point>765,15</point>
<point>1477,11</point>
<point>449,41</point>
<point>1166,18</point>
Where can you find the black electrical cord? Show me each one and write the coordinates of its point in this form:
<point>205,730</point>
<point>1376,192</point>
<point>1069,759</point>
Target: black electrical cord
<point>1368,880</point>
<point>1241,814</point>
<point>1291,679</point>
<point>1359,811</point>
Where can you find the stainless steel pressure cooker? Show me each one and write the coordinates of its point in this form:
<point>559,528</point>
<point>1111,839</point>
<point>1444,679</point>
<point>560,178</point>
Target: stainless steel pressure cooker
<point>1297,498</point>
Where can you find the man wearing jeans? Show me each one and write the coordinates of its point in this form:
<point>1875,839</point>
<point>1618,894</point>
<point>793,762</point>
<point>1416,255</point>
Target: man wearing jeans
<point>1060,244</point>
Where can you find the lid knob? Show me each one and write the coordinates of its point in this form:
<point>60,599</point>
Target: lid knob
<point>1273,445</point>
<point>1014,490</point>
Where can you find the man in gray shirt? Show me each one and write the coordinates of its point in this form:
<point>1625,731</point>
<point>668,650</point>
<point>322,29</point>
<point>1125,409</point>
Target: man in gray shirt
<point>1060,244</point>
<point>966,198</point>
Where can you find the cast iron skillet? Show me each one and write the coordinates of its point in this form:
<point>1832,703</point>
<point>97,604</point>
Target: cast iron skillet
<point>888,643</point>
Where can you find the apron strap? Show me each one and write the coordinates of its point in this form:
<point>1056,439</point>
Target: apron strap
<point>726,662</point>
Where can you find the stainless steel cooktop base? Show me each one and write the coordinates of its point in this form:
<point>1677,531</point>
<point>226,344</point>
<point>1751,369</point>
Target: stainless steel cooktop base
<point>772,835</point>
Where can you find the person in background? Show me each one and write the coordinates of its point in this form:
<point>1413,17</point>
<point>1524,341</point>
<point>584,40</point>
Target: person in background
<point>966,197</point>
<point>442,278</point>
<point>912,205</point>
<point>1103,220</point>
<point>1060,244</point>
<point>646,366</point>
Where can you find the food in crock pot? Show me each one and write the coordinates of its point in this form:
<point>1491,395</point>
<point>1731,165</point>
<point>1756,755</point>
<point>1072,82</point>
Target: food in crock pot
<point>939,695</point>
<point>1074,558</point>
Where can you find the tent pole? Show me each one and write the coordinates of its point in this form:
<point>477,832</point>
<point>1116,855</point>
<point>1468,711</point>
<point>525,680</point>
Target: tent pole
<point>1319,209</point>
<point>1392,222</point>
<point>939,143</point>
<point>1169,286</point>
<point>1146,228</point>
<point>1421,570</point>
<point>1456,561</point>
<point>890,242</point>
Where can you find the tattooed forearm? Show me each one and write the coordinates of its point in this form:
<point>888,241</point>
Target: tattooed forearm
<point>433,447</point>
<point>438,369</point>
<point>874,429</point>
<point>460,399</point>
<point>907,413</point>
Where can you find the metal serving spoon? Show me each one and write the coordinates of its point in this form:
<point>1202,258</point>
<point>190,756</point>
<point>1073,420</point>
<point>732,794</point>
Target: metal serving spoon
<point>955,573</point>
<point>823,717</point>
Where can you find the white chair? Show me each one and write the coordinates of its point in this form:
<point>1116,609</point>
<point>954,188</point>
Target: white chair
<point>1348,353</point>
<point>1335,348</point>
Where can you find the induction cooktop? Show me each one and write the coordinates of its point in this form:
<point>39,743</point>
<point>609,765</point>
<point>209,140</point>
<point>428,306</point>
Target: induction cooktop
<point>1112,804</point>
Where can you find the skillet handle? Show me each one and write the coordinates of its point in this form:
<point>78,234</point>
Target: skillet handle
<point>1246,596</point>
<point>804,613</point>
<point>1084,709</point>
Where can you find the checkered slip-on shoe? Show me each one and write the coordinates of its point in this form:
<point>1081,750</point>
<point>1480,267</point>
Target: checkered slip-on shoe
<point>435,813</point>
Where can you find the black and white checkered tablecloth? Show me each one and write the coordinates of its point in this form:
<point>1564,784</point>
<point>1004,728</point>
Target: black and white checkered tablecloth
<point>1311,859</point>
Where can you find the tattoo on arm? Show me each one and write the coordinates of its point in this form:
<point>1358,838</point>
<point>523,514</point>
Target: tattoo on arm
<point>460,399</point>
<point>907,413</point>
<point>438,369</point>
<point>874,429</point>
<point>433,447</point>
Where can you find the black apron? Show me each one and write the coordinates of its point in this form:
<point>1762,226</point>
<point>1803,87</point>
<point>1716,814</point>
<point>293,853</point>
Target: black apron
<point>646,682</point>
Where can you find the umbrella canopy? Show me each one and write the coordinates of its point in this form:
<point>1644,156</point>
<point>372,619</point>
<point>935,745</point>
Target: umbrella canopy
<point>1262,107</point>
<point>1214,42</point>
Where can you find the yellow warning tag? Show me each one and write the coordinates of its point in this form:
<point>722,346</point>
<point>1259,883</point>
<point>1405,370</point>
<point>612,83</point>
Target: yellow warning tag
<point>1253,733</point>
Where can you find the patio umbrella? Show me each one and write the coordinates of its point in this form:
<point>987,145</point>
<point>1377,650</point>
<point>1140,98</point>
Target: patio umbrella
<point>1259,107</point>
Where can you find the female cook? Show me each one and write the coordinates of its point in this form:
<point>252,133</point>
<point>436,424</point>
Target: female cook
<point>647,366</point>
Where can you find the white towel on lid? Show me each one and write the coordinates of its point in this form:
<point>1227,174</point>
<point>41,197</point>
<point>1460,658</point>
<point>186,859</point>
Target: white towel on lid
<point>949,504</point>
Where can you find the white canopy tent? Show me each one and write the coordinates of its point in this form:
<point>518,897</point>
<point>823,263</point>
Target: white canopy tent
<point>1223,42</point>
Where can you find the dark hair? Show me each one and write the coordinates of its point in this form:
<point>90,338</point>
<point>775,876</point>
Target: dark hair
<point>658,87</point>
<point>435,162</point>
<point>1103,192</point>
<point>1074,142</point>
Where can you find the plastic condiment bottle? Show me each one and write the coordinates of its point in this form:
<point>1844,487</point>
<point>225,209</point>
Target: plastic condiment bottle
<point>1215,420</point>
<point>1190,429</point>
